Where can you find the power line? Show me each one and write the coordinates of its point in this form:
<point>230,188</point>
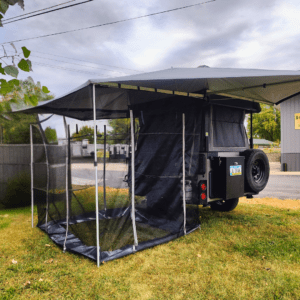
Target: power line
<point>88,61</point>
<point>110,23</point>
<point>69,69</point>
<point>76,64</point>
<point>42,13</point>
<point>38,10</point>
<point>78,60</point>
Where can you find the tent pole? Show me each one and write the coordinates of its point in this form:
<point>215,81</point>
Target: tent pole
<point>31,172</point>
<point>251,130</point>
<point>183,173</point>
<point>133,181</point>
<point>48,170</point>
<point>96,176</point>
<point>67,187</point>
<point>104,163</point>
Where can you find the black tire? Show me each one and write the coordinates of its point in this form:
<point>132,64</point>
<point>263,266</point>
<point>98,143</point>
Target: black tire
<point>224,205</point>
<point>257,170</point>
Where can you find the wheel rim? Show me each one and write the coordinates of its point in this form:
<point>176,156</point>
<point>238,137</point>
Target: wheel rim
<point>258,170</point>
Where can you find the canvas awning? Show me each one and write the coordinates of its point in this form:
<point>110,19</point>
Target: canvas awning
<point>115,95</point>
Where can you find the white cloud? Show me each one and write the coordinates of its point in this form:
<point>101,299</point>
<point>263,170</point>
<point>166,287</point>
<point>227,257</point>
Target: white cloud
<point>232,33</point>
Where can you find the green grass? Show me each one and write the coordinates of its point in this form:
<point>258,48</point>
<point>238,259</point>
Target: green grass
<point>100,153</point>
<point>250,253</point>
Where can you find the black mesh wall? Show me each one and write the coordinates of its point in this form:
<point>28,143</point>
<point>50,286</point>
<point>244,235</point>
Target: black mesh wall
<point>49,169</point>
<point>158,214</point>
<point>159,164</point>
<point>228,127</point>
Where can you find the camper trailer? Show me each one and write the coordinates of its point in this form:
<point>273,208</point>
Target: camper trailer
<point>220,165</point>
<point>189,148</point>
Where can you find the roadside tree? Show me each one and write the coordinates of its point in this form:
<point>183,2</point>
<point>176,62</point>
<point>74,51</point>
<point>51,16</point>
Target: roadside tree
<point>266,124</point>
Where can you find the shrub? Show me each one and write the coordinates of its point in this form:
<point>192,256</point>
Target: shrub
<point>18,192</point>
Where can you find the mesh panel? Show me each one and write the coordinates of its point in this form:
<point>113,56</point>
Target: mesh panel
<point>49,171</point>
<point>40,174</point>
<point>228,127</point>
<point>159,213</point>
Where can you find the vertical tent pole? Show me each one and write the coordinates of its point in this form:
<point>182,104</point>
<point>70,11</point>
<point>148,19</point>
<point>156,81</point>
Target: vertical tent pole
<point>67,186</point>
<point>133,181</point>
<point>251,130</point>
<point>183,173</point>
<point>31,172</point>
<point>104,163</point>
<point>48,170</point>
<point>96,176</point>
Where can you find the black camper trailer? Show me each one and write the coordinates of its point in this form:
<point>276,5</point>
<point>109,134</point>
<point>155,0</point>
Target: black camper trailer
<point>220,166</point>
<point>189,147</point>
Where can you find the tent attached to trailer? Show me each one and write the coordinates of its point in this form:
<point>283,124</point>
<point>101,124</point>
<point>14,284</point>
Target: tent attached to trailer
<point>179,119</point>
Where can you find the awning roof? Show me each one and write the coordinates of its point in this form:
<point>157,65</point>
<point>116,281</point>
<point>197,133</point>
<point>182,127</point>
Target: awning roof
<point>114,95</point>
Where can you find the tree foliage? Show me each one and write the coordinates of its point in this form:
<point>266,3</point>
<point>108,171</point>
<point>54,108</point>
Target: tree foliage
<point>10,65</point>
<point>16,126</point>
<point>85,132</point>
<point>23,95</point>
<point>120,133</point>
<point>4,6</point>
<point>51,135</point>
<point>266,124</point>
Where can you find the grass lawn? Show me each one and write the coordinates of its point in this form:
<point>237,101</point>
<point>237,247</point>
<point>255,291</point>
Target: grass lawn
<point>250,253</point>
<point>272,150</point>
<point>100,153</point>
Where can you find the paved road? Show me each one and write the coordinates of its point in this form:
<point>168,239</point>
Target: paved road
<point>282,187</point>
<point>87,177</point>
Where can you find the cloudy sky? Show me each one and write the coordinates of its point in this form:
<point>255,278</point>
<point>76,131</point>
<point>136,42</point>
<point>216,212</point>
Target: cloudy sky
<point>224,33</point>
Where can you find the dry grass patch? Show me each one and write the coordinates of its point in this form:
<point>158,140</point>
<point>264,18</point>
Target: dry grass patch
<point>285,204</point>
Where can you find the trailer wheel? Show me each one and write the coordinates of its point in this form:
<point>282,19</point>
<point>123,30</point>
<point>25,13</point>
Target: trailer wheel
<point>224,205</point>
<point>257,170</point>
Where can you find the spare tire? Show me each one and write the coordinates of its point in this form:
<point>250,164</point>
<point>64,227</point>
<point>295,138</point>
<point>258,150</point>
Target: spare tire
<point>257,170</point>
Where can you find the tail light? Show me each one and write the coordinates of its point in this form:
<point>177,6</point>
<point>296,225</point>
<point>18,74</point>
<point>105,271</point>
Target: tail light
<point>203,186</point>
<point>203,190</point>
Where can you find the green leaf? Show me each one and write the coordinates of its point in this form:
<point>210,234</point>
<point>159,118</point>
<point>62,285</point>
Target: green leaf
<point>25,65</point>
<point>45,90</point>
<point>14,82</point>
<point>26,99</point>
<point>1,69</point>
<point>33,100</point>
<point>4,88</point>
<point>26,52</point>
<point>3,6</point>
<point>11,70</point>
<point>7,87</point>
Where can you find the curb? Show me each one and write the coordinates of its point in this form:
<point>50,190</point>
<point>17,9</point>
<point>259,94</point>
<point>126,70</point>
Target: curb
<point>285,173</point>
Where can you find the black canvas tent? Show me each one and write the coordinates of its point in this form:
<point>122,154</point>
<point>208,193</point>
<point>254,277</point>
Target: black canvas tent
<point>171,106</point>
